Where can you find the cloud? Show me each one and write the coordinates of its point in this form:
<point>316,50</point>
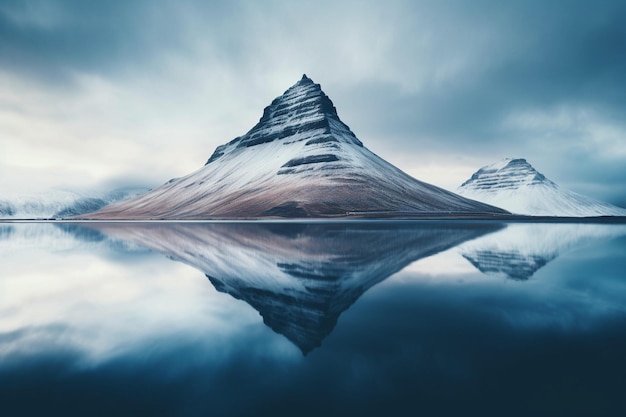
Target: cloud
<point>448,83</point>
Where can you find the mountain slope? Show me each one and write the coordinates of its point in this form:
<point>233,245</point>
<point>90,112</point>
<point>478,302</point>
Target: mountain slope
<point>300,160</point>
<point>516,186</point>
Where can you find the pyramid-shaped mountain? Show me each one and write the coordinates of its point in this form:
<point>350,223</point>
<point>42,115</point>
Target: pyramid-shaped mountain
<point>300,160</point>
<point>515,185</point>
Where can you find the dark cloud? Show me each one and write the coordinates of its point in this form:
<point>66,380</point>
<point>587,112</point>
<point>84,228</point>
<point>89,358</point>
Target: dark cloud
<point>539,58</point>
<point>47,39</point>
<point>520,54</point>
<point>50,40</point>
<point>543,55</point>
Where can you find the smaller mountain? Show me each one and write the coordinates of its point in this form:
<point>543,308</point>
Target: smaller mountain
<point>515,185</point>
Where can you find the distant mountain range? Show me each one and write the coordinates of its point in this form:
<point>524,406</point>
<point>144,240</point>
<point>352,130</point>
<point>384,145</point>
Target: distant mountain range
<point>300,160</point>
<point>514,185</point>
<point>61,203</point>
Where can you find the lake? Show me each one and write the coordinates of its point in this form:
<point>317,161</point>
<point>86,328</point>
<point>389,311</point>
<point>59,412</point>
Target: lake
<point>388,318</point>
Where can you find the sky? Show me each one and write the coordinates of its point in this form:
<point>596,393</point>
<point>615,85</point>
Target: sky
<point>101,95</point>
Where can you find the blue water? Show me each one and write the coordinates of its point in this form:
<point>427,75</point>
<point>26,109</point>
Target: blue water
<point>388,318</point>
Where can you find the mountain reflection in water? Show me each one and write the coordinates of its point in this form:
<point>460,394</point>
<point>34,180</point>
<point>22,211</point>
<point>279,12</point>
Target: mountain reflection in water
<point>521,249</point>
<point>299,276</point>
<point>95,321</point>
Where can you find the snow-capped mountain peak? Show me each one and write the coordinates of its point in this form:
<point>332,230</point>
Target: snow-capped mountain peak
<point>302,111</point>
<point>508,173</point>
<point>299,160</point>
<point>515,185</point>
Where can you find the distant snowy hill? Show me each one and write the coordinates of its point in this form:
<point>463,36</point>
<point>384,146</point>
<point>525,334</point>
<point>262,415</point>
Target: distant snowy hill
<point>60,203</point>
<point>300,160</point>
<point>514,185</point>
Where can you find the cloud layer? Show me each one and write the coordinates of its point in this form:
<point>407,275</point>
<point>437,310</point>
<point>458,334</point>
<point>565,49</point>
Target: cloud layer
<point>106,94</point>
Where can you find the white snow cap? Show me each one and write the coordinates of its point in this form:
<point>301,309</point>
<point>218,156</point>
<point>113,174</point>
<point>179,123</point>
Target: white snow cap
<point>515,185</point>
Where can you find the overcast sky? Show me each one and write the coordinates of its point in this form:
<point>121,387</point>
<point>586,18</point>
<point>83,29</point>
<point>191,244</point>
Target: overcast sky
<point>99,95</point>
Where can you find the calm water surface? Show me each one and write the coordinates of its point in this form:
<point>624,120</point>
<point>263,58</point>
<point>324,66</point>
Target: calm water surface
<point>390,318</point>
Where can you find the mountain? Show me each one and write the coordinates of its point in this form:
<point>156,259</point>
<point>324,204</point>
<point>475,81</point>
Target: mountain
<point>300,277</point>
<point>519,250</point>
<point>516,186</point>
<point>60,203</point>
<point>300,160</point>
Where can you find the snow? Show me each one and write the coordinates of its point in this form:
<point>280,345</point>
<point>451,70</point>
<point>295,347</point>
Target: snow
<point>514,185</point>
<point>253,174</point>
<point>53,202</point>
